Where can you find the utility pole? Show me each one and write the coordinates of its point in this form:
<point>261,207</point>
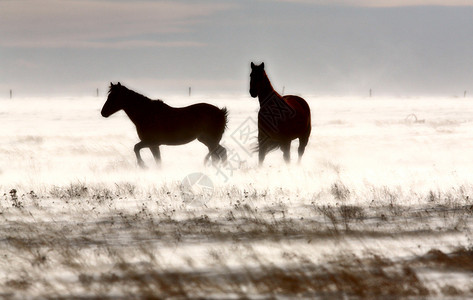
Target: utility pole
<point>11,94</point>
<point>371,93</point>
<point>190,91</point>
<point>97,92</point>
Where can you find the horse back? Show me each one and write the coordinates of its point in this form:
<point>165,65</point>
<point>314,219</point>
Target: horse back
<point>177,125</point>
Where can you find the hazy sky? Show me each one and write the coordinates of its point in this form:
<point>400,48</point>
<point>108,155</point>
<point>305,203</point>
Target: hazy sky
<point>322,47</point>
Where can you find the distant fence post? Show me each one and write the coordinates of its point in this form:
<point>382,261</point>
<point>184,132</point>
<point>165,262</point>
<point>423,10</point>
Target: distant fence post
<point>11,94</point>
<point>97,92</point>
<point>464,94</point>
<point>371,93</point>
<point>283,88</point>
<point>190,91</point>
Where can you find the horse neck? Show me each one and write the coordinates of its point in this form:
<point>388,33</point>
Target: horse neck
<point>266,91</point>
<point>137,107</point>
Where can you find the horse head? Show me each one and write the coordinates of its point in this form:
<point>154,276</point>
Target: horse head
<point>256,77</point>
<point>114,101</point>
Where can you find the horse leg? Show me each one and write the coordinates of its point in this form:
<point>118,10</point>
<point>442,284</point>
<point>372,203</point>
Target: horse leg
<point>207,157</point>
<point>212,149</point>
<point>222,153</point>
<point>137,149</point>
<point>286,150</point>
<point>156,154</point>
<point>219,153</point>
<point>215,156</point>
<point>302,143</point>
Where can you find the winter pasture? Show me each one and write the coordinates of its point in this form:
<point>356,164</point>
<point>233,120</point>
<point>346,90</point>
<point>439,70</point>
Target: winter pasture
<point>380,205</point>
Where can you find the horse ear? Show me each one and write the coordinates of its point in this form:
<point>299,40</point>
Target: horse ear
<point>252,65</point>
<point>262,65</point>
<point>119,84</point>
<point>111,83</point>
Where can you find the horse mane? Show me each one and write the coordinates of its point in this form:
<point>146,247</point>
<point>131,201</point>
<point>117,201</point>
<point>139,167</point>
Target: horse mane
<point>133,94</point>
<point>265,78</point>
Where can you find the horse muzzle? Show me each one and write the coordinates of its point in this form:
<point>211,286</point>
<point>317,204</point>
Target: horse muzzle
<point>105,114</point>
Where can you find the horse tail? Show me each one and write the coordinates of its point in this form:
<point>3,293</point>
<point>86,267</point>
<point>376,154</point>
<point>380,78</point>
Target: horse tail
<point>222,121</point>
<point>225,115</point>
<point>266,144</point>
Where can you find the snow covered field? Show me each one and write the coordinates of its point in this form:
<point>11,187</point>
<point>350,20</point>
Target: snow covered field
<point>380,204</point>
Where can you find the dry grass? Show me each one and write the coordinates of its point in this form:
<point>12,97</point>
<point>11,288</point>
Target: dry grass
<point>82,241</point>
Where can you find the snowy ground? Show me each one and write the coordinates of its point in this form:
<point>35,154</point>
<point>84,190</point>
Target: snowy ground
<point>379,206</point>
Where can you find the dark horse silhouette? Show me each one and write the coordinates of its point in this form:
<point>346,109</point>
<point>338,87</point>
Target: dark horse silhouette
<point>160,124</point>
<point>280,118</point>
